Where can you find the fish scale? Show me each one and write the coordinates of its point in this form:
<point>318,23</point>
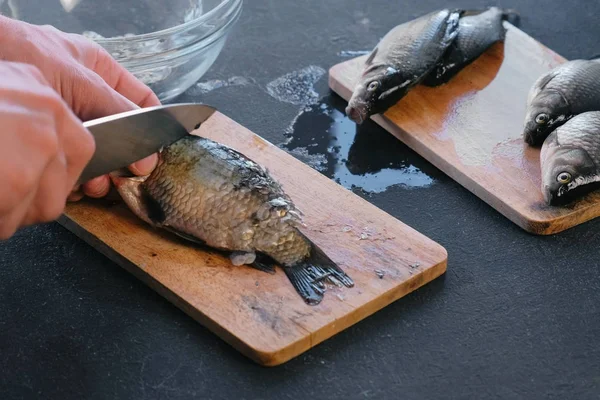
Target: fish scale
<point>579,82</point>
<point>582,132</point>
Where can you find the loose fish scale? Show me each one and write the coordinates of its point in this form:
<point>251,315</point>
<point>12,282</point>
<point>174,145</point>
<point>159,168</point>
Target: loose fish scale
<point>199,186</point>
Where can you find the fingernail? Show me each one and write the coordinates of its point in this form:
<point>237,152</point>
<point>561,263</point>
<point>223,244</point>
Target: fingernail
<point>97,187</point>
<point>144,166</point>
<point>74,197</point>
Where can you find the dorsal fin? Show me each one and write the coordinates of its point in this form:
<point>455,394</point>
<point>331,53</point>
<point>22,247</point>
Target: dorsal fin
<point>369,60</point>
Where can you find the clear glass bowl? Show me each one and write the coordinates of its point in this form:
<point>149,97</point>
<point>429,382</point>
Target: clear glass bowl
<point>167,44</point>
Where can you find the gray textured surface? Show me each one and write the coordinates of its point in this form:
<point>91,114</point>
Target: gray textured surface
<point>516,316</point>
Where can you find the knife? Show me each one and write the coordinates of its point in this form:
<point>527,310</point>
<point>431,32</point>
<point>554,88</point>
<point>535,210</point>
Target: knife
<point>122,139</point>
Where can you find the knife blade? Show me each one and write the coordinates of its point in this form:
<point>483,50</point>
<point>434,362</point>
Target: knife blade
<point>125,138</point>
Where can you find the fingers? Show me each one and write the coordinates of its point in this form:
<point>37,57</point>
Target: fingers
<point>97,187</point>
<point>122,81</point>
<point>31,158</point>
<point>10,222</point>
<point>145,166</point>
<point>75,195</point>
<point>29,145</point>
<point>76,142</point>
<point>91,97</point>
<point>50,196</point>
<point>105,87</point>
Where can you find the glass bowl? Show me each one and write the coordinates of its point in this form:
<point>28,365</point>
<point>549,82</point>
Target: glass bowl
<point>167,44</point>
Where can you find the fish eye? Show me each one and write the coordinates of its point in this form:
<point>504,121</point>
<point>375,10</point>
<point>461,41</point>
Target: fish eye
<point>542,119</point>
<point>373,86</point>
<point>564,178</point>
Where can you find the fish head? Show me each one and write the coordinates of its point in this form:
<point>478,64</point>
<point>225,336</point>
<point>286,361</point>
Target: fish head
<point>131,191</point>
<point>546,111</point>
<point>567,172</point>
<point>379,87</point>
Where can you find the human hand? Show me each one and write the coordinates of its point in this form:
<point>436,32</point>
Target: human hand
<point>88,79</point>
<point>43,148</point>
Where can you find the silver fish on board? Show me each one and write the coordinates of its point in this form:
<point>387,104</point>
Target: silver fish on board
<point>570,159</point>
<point>563,92</point>
<point>430,50</point>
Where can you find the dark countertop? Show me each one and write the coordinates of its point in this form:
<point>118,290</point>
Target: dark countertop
<point>516,315</point>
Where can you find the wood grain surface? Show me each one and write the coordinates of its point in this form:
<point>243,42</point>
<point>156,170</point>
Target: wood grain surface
<point>471,129</point>
<point>261,314</point>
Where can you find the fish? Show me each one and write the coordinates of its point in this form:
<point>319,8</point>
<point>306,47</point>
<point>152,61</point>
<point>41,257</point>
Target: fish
<point>213,195</point>
<point>477,32</point>
<point>555,97</point>
<point>428,50</point>
<point>401,59</point>
<point>570,159</point>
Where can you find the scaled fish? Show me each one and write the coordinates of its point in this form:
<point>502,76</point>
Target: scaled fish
<point>429,50</point>
<point>558,95</point>
<point>209,193</point>
<point>570,159</point>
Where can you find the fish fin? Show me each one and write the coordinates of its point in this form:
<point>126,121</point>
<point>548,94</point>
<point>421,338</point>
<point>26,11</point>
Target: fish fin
<point>310,275</point>
<point>544,80</point>
<point>242,257</point>
<point>303,282</point>
<point>509,14</point>
<point>478,31</point>
<point>594,57</point>
<point>156,214</point>
<point>184,235</point>
<point>470,13</point>
<point>512,17</point>
<point>263,263</point>
<point>452,28</point>
<point>371,56</point>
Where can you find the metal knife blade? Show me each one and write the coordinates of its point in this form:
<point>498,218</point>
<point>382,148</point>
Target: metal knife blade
<point>125,138</point>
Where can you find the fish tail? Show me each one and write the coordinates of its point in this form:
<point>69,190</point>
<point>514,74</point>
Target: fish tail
<point>512,17</point>
<point>310,275</point>
<point>595,57</point>
<point>509,14</point>
<point>263,263</point>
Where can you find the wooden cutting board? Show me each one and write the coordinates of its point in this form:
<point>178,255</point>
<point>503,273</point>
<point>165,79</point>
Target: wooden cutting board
<point>260,314</point>
<point>471,129</point>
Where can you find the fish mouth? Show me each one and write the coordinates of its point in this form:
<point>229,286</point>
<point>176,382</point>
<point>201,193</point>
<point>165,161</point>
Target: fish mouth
<point>550,198</point>
<point>554,200</point>
<point>529,138</point>
<point>535,137</point>
<point>356,114</point>
<point>567,197</point>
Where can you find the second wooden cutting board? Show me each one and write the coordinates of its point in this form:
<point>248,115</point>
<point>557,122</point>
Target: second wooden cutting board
<point>471,129</point>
